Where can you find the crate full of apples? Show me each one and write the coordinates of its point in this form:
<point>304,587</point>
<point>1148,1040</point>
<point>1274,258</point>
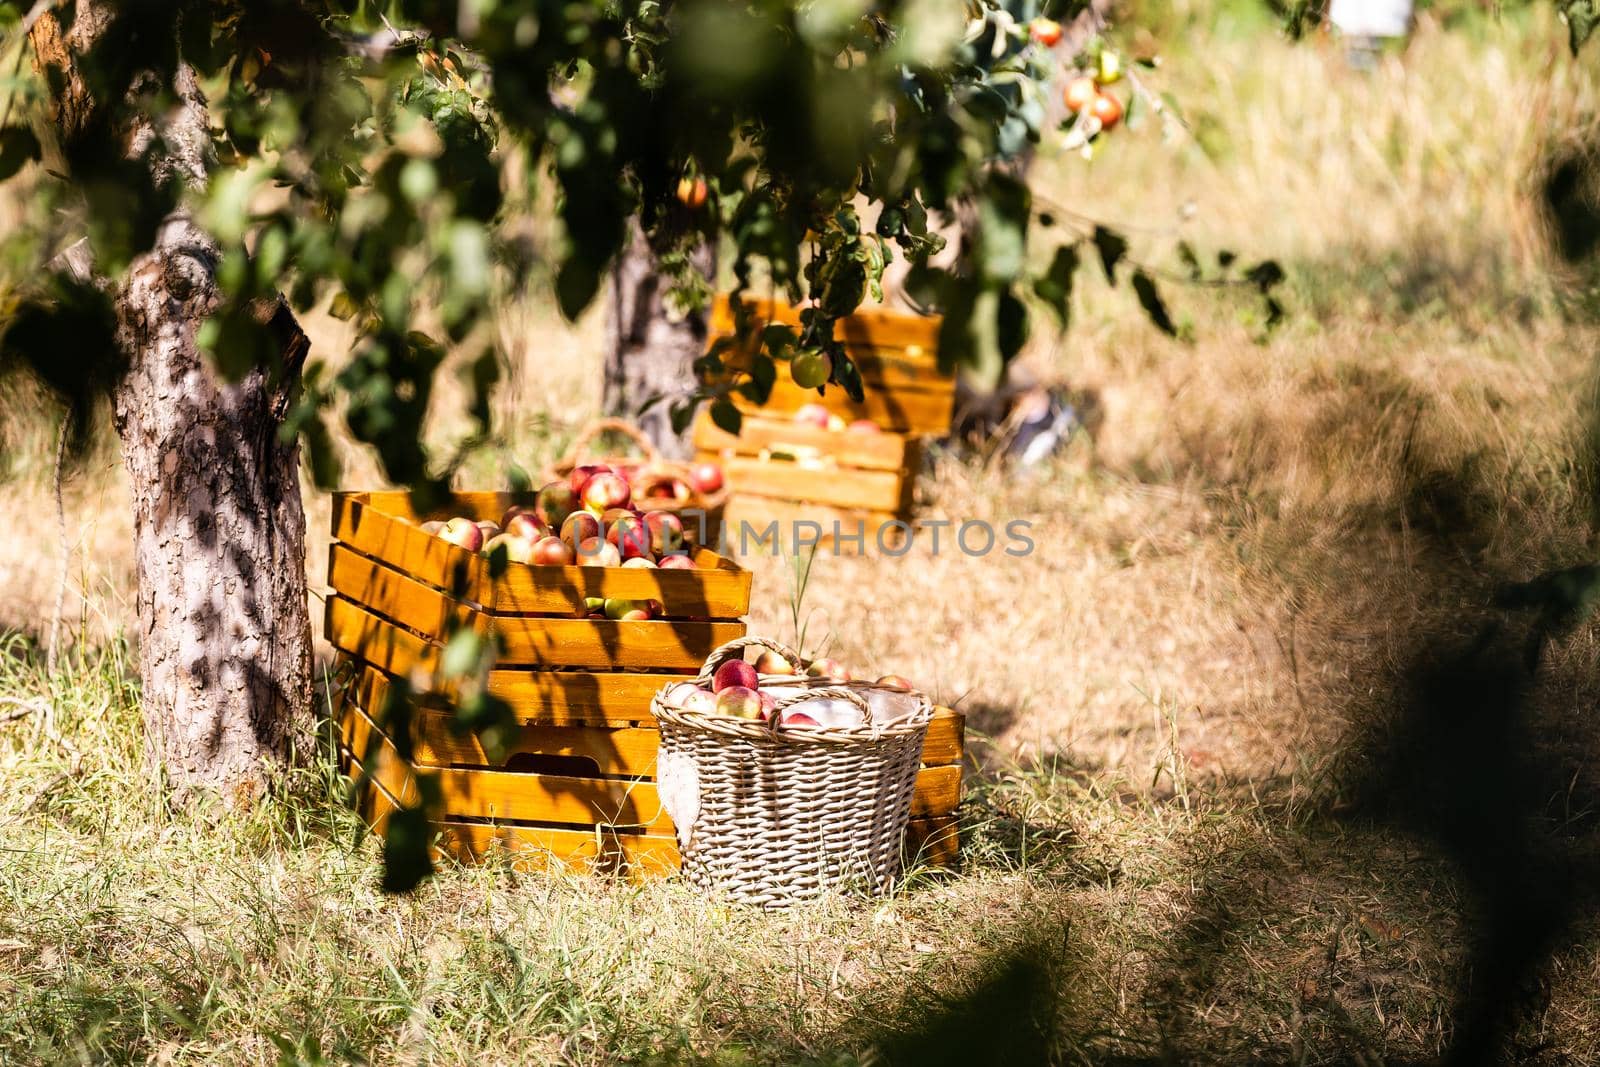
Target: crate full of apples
<point>592,606</point>
<point>693,491</point>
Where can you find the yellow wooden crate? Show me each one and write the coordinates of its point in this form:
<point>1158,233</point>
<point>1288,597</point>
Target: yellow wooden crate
<point>896,355</point>
<point>582,794</point>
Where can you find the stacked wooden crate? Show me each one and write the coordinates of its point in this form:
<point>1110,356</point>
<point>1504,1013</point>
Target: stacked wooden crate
<point>574,780</point>
<point>860,485</point>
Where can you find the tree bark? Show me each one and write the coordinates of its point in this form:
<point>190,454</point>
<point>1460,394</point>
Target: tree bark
<point>649,354</point>
<point>219,529</point>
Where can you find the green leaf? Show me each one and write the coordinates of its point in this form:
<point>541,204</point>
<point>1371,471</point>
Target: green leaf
<point>727,417</point>
<point>1154,306</point>
<point>1054,286</point>
<point>1001,248</point>
<point>1112,246</point>
<point>1581,16</point>
<point>1265,275</point>
<point>18,146</point>
<point>462,655</point>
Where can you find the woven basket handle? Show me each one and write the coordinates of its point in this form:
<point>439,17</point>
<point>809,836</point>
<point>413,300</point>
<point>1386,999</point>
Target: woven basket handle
<point>723,653</point>
<point>826,692</point>
<point>626,429</point>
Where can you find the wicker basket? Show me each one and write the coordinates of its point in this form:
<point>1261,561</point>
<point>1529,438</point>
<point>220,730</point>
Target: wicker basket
<point>771,817</point>
<point>649,464</point>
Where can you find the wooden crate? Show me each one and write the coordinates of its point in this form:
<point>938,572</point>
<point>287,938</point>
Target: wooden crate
<point>576,784</point>
<point>786,473</point>
<point>896,354</point>
<point>580,795</point>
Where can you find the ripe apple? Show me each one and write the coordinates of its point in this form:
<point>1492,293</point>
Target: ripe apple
<point>894,681</point>
<point>518,550</point>
<point>432,526</point>
<point>1108,109</point>
<point>640,563</point>
<point>526,525</point>
<point>488,529</point>
<point>735,672</point>
<point>666,532</point>
<point>836,423</point>
<point>554,503</point>
<point>463,532</point>
<point>692,193</point>
<point>739,701</point>
<point>1079,94</point>
<point>604,490</point>
<point>770,662</point>
<point>769,704</point>
<point>593,552</point>
<point>701,700</point>
<point>863,426</point>
<point>583,473</point>
<point>624,610</point>
<point>812,415</point>
<point>705,477</point>
<point>553,552</point>
<point>631,536</point>
<point>579,527</point>
<point>790,717</point>
<point>676,563</point>
<point>1046,31</point>
<point>831,669</point>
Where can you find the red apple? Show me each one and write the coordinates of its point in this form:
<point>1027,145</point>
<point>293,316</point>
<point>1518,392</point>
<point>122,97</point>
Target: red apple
<point>489,529</point>
<point>463,532</point>
<point>812,415</point>
<point>735,672</point>
<point>630,535</point>
<point>692,193</point>
<point>666,531</point>
<point>593,552</point>
<point>740,702</point>
<point>676,563</point>
<point>863,426</point>
<point>770,662</point>
<point>553,552</point>
<point>555,502</point>
<point>526,525</point>
<point>894,681</point>
<point>769,704</point>
<point>705,477</point>
<point>579,527</point>
<point>831,669</point>
<point>701,700</point>
<point>582,474</point>
<point>604,490</point>
<point>788,718</point>
<point>432,526</point>
<point>1046,31</point>
<point>624,610</point>
<point>1079,93</point>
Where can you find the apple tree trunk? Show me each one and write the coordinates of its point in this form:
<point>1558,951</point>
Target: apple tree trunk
<point>650,353</point>
<point>219,531</point>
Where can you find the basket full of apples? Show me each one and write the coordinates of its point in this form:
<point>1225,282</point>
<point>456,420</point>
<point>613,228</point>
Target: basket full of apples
<point>653,482</point>
<point>781,785</point>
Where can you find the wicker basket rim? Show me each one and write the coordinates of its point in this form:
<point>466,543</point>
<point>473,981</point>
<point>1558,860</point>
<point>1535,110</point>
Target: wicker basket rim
<point>751,730</point>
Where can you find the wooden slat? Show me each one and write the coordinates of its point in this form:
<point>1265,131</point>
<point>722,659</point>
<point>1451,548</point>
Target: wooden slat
<point>838,487</point>
<point>868,328</point>
<point>617,750</point>
<point>502,795</point>
<point>554,697</point>
<point>912,411</point>
<point>885,450</point>
<point>934,840</point>
<point>532,847</point>
<point>660,644</point>
<point>467,790</point>
<point>380,525</point>
<point>748,517</point>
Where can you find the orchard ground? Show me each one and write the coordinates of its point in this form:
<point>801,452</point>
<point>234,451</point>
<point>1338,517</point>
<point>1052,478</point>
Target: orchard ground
<point>1263,772</point>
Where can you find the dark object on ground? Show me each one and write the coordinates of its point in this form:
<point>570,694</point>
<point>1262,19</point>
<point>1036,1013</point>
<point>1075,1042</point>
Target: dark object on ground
<point>1023,422</point>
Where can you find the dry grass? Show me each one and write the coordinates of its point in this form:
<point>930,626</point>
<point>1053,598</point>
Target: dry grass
<point>1249,789</point>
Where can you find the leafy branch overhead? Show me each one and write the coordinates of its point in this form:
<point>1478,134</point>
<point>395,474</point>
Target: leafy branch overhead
<point>372,159</point>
